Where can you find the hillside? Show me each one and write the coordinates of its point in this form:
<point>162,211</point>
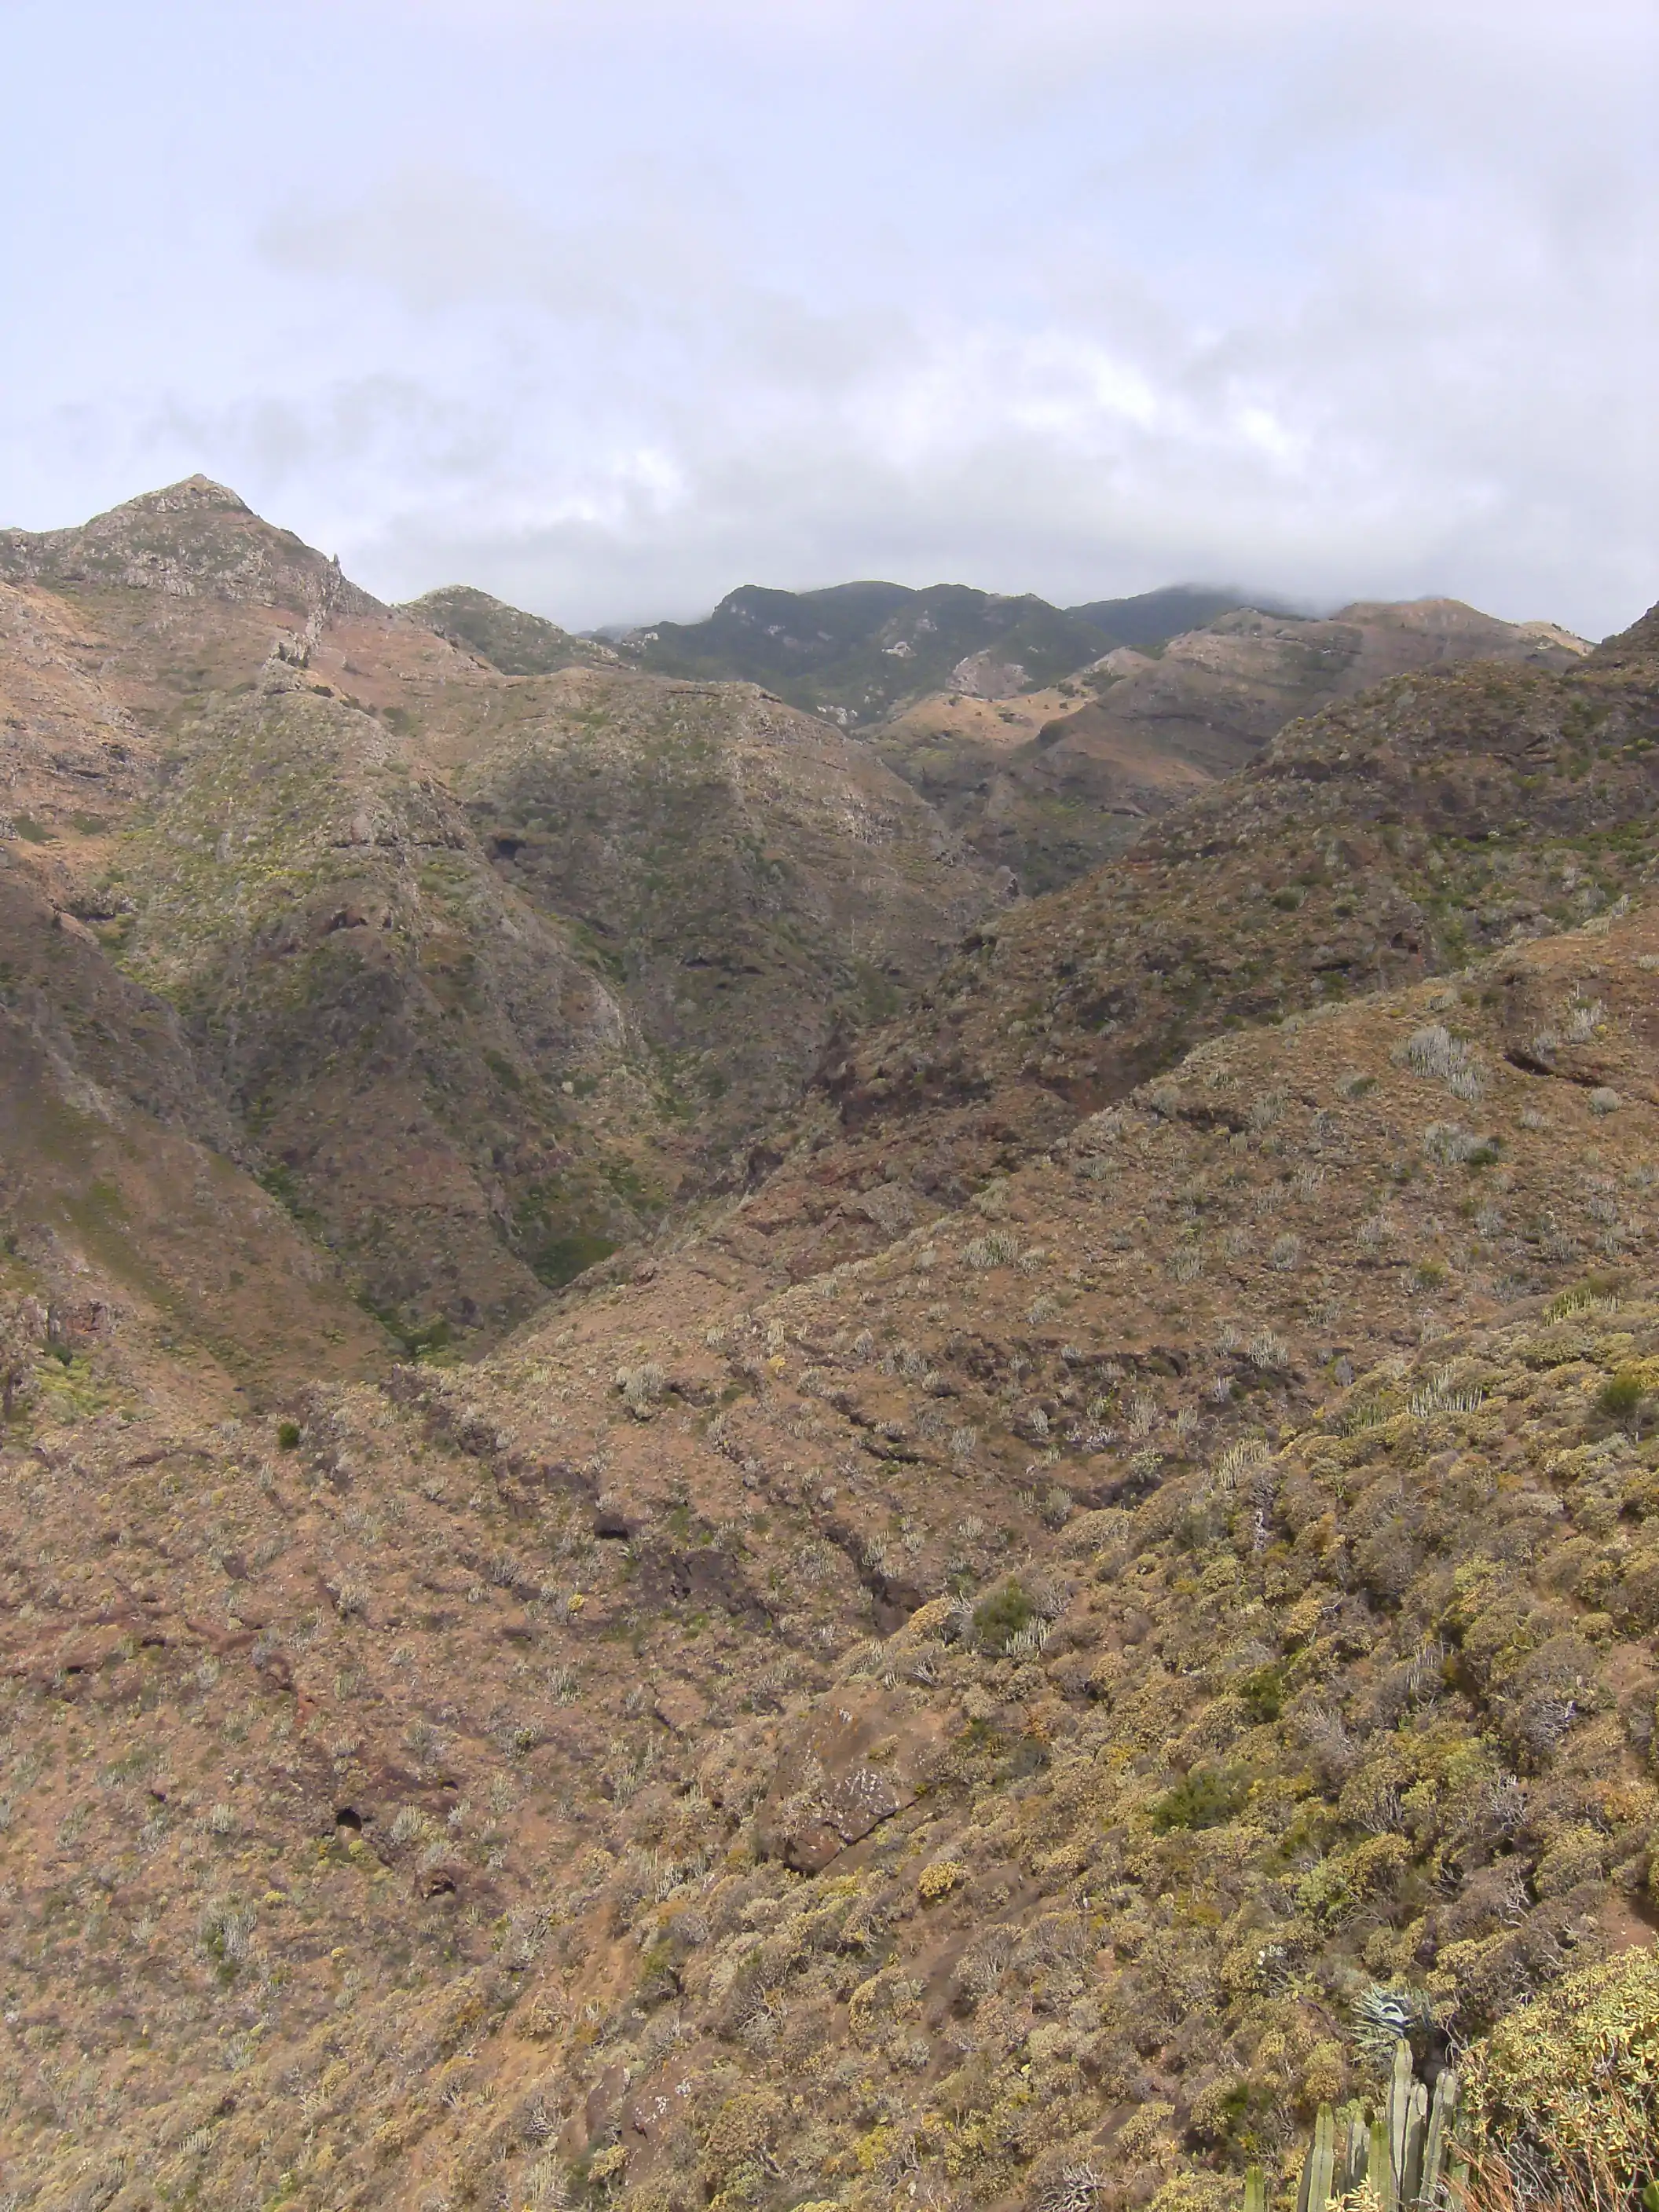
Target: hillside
<point>950,1675</point>
<point>1259,1656</point>
<point>854,653</point>
<point>1052,781</point>
<point>295,835</point>
<point>505,638</point>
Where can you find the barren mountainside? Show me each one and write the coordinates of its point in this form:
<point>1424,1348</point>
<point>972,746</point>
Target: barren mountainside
<point>1052,781</point>
<point>704,1516</point>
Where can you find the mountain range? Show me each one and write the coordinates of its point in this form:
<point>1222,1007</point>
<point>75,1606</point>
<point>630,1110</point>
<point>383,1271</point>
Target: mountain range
<point>762,1462</point>
<point>854,652</point>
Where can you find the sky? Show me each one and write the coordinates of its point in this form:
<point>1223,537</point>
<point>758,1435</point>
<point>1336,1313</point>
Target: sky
<point>610,306</point>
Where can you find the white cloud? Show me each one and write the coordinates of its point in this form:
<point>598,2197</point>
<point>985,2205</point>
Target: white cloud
<point>610,308</point>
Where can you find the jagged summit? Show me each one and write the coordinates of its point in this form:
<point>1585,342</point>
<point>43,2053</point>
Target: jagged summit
<point>194,539</point>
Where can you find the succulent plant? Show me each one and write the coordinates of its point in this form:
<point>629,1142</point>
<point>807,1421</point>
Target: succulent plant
<point>1402,2153</point>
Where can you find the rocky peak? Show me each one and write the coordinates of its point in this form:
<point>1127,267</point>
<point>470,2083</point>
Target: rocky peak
<point>195,539</point>
<point>197,495</point>
<point>1639,642</point>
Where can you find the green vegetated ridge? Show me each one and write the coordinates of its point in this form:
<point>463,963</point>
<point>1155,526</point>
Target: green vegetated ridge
<point>516,643</point>
<point>853,651</point>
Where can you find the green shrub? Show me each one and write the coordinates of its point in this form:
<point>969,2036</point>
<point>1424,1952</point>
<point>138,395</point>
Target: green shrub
<point>288,1436</point>
<point>1263,1694</point>
<point>999,1617</point>
<point>1568,2085</point>
<point>1621,1398</point>
<point>1203,1798</point>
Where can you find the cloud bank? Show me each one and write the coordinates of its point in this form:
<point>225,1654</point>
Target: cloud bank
<point>609,310</point>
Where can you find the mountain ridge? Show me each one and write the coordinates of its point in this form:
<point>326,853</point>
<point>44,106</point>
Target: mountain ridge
<point>854,652</point>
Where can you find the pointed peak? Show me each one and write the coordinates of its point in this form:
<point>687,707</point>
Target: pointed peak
<point>192,539</point>
<point>196,495</point>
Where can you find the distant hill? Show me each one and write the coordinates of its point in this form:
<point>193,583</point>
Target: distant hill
<point>856,653</point>
<point>505,638</point>
<point>1052,781</point>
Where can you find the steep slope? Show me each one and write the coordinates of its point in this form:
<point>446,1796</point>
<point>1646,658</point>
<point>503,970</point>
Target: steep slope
<point>752,879</point>
<point>979,1715</point>
<point>393,1028</point>
<point>468,1077</point>
<point>1401,832</point>
<point>124,1173</point>
<point>855,651</point>
<point>1051,783</point>
<point>120,1183</point>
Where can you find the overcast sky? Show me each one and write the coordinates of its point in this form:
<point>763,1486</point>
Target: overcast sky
<point>609,305</point>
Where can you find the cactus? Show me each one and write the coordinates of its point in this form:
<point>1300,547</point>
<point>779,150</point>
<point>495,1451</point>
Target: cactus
<point>1399,2116</point>
<point>1403,2153</point>
<point>1434,2142</point>
<point>1321,2170</point>
<point>1256,2191</point>
<point>1380,2168</point>
<point>1356,2157</point>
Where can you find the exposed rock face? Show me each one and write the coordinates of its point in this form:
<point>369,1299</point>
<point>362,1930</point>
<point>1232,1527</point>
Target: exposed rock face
<point>859,1757</point>
<point>195,538</point>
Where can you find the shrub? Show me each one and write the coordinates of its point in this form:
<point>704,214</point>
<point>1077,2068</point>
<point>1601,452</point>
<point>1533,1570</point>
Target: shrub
<point>1239,1460</point>
<point>1568,2085</point>
<point>641,1388</point>
<point>1435,1051</point>
<point>996,1250</point>
<point>288,1436</point>
<point>1000,1617</point>
<point>1263,1694</point>
<point>1203,1798</point>
<point>1619,1399</point>
<point>939,1880</point>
